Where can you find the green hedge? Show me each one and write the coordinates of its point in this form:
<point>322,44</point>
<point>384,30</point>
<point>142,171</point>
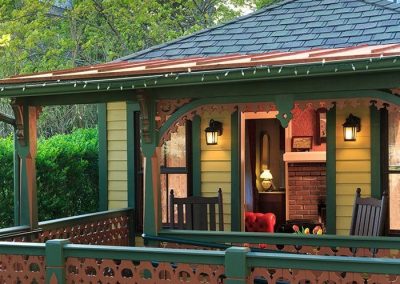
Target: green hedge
<point>67,176</point>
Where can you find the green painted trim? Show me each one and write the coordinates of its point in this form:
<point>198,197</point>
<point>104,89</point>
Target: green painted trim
<point>196,153</point>
<point>333,69</point>
<point>283,239</point>
<point>17,195</point>
<point>131,107</point>
<point>375,151</point>
<point>236,267</point>
<point>236,212</point>
<point>55,261</point>
<point>263,98</point>
<point>103,156</point>
<point>331,171</point>
<point>145,254</point>
<point>17,248</point>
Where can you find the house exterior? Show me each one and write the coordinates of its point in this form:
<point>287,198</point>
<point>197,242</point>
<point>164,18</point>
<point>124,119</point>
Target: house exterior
<point>284,83</point>
<point>289,26</point>
<point>291,58</point>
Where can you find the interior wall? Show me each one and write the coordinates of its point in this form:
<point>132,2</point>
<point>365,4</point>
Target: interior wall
<point>353,166</point>
<point>272,128</point>
<point>216,163</point>
<point>117,155</point>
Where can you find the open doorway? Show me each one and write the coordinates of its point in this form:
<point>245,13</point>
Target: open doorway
<point>264,168</point>
<point>283,170</point>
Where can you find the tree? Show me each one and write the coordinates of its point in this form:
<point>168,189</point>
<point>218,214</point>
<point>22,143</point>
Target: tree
<point>42,35</point>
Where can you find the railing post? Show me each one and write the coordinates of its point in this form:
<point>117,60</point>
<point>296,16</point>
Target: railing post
<point>236,269</point>
<point>55,261</point>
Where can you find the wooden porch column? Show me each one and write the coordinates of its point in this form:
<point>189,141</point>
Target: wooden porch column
<point>151,168</point>
<point>151,164</point>
<point>25,164</point>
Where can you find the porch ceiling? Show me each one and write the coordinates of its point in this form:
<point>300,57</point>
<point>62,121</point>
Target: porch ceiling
<point>155,73</point>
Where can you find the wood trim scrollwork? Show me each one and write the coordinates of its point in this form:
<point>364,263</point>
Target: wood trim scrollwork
<point>164,108</point>
<point>144,115</point>
<point>18,110</point>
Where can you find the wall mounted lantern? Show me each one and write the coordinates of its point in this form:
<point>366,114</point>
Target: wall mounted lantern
<point>351,127</point>
<point>213,131</point>
<point>266,182</point>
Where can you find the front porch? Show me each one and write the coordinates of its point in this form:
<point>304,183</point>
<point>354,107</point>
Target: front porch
<point>231,257</point>
<point>164,97</point>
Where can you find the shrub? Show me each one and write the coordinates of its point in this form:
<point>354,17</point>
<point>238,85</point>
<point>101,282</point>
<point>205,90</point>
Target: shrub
<point>67,175</point>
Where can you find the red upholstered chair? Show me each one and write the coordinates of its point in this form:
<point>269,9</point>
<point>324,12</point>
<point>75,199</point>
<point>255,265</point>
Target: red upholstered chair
<point>260,222</point>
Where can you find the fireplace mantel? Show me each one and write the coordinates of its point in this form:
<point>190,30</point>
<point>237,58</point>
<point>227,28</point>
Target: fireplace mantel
<point>305,157</point>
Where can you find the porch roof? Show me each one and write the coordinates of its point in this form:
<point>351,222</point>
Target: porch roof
<point>159,72</point>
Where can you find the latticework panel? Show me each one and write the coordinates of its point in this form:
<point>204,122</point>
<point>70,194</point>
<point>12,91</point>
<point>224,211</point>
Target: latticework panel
<point>109,231</point>
<point>333,251</point>
<point>102,271</point>
<point>265,275</point>
<point>22,269</point>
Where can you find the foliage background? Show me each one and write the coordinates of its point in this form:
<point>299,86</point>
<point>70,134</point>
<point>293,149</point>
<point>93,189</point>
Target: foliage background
<point>67,175</point>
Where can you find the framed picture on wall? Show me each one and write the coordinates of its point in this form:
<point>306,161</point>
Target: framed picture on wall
<point>301,143</point>
<point>321,126</point>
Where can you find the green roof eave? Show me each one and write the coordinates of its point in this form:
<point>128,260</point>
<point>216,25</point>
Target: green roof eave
<point>256,73</point>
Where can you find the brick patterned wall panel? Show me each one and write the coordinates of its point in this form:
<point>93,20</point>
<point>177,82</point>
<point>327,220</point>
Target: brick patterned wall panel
<point>307,189</point>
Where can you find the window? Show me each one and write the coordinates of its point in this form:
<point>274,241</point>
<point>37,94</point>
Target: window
<point>393,171</point>
<point>175,167</point>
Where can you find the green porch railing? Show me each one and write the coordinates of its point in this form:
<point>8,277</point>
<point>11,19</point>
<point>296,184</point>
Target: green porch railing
<point>58,261</point>
<point>292,243</point>
<point>113,227</point>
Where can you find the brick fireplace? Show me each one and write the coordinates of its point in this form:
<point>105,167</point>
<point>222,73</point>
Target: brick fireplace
<point>307,190</point>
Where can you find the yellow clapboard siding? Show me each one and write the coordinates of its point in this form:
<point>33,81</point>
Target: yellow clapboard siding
<point>117,204</point>
<point>350,189</point>
<point>353,178</point>
<point>215,155</point>
<point>115,125</point>
<point>215,166</point>
<point>361,143</point>
<point>345,200</point>
<point>116,135</point>
<point>116,105</point>
<point>343,223</point>
<point>345,210</point>
<point>215,177</point>
<point>116,115</point>
<point>353,166</point>
<point>118,195</point>
<point>213,187</point>
<point>117,145</point>
<point>117,166</point>
<point>342,232</point>
<point>118,185</point>
<point>118,175</point>
<point>353,154</point>
<point>117,155</point>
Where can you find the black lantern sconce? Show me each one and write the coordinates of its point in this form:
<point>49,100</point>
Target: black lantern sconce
<point>351,127</point>
<point>213,131</point>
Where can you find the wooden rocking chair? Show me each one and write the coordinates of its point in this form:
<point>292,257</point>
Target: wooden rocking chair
<point>369,215</point>
<point>196,213</point>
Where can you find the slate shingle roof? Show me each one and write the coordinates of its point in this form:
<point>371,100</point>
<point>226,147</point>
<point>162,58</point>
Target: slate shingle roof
<point>288,26</point>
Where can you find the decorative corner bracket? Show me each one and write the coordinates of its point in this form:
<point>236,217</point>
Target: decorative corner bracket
<point>144,115</point>
<point>19,122</point>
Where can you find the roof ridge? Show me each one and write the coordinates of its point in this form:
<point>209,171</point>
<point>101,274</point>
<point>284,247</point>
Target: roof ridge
<point>152,48</point>
<point>384,4</point>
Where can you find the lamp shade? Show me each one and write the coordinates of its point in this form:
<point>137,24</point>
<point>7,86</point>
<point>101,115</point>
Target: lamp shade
<point>266,174</point>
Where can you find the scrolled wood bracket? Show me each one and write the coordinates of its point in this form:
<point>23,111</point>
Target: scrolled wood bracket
<point>18,110</point>
<point>144,103</point>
